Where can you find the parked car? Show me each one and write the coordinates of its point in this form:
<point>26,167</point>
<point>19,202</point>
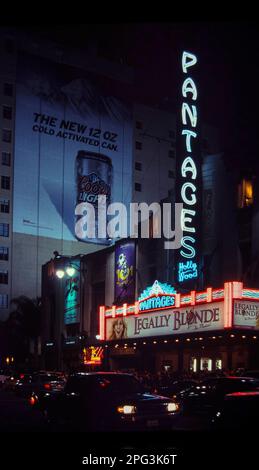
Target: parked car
<point>206,398</point>
<point>239,410</point>
<point>105,401</point>
<point>39,383</point>
<point>174,387</point>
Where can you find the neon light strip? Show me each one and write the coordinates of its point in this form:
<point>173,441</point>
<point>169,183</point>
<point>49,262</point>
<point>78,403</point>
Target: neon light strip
<point>228,303</point>
<point>237,290</point>
<point>250,294</point>
<point>101,322</point>
<point>177,300</point>
<point>209,294</point>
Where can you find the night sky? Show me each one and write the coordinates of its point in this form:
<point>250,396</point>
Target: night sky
<point>228,55</point>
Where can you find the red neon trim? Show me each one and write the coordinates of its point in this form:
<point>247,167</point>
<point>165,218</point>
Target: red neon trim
<point>209,294</point>
<point>193,297</point>
<point>177,300</point>
<point>125,309</point>
<point>113,311</point>
<point>237,289</point>
<point>136,307</point>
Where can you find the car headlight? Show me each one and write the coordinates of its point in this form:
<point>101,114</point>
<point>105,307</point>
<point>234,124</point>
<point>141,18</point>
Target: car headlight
<point>126,409</point>
<point>172,407</point>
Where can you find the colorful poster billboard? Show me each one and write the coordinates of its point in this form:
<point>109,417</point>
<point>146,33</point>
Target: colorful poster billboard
<point>125,271</point>
<point>246,314</point>
<point>175,321</point>
<point>73,142</point>
<point>72,295</point>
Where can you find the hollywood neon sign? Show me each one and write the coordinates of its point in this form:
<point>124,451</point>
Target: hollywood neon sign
<point>187,268</point>
<point>157,296</point>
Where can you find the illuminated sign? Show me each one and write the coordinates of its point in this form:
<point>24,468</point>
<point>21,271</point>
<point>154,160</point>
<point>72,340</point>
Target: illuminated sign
<point>157,296</point>
<point>72,296</point>
<point>246,314</point>
<point>187,271</point>
<point>187,266</point>
<point>93,355</point>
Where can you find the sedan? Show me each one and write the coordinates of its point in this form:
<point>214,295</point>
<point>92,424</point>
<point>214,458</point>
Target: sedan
<point>108,401</point>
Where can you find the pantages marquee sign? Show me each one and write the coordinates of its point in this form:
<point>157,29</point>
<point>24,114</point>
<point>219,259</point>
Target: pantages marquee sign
<point>157,296</point>
<point>188,172</point>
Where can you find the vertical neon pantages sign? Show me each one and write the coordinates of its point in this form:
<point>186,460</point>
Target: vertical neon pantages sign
<point>188,173</point>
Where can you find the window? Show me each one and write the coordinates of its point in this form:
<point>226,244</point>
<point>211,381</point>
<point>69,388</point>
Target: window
<point>138,145</point>
<point>4,230</point>
<point>138,166</point>
<point>4,253</point>
<point>7,112</point>
<point>139,125</point>
<point>137,187</point>
<point>245,193</point>
<point>6,158</point>
<point>171,134</point>
<point>6,135</point>
<point>5,182</point>
<point>171,154</point>
<point>4,205</point>
<point>3,300</point>
<point>3,277</point>
<point>170,174</point>
<point>8,89</point>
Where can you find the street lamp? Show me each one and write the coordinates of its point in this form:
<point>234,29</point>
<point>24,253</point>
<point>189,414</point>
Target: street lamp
<point>69,270</point>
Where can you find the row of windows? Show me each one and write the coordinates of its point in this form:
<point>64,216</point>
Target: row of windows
<point>3,300</point>
<point>171,153</point>
<point>4,230</point>
<point>138,167</point>
<point>171,133</point>
<point>4,253</point>
<point>3,276</point>
<point>5,182</point>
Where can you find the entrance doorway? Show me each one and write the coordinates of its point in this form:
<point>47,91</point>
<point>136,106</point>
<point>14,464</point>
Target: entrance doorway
<point>205,364</point>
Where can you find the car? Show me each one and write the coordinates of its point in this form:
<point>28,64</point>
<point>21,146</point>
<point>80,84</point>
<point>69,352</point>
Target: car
<point>39,383</point>
<point>174,387</point>
<point>108,401</point>
<point>205,399</point>
<point>238,411</point>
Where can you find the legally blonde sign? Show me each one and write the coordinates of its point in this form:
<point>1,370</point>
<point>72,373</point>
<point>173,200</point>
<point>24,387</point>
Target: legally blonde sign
<point>246,314</point>
<point>172,321</point>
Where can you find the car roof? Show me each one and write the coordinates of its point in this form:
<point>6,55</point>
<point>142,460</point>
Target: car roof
<point>104,373</point>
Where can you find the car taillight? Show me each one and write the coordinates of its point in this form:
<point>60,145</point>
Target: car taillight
<point>33,400</point>
<point>47,386</point>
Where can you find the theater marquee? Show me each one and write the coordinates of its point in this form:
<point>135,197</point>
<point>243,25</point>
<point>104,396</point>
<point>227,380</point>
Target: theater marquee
<point>233,306</point>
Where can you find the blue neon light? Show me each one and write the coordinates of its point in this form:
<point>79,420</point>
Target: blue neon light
<point>187,271</point>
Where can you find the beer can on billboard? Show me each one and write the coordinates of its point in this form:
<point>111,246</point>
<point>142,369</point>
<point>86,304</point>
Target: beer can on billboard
<point>94,174</point>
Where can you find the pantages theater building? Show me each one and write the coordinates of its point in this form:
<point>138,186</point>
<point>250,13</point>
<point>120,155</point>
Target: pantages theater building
<point>137,305</point>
